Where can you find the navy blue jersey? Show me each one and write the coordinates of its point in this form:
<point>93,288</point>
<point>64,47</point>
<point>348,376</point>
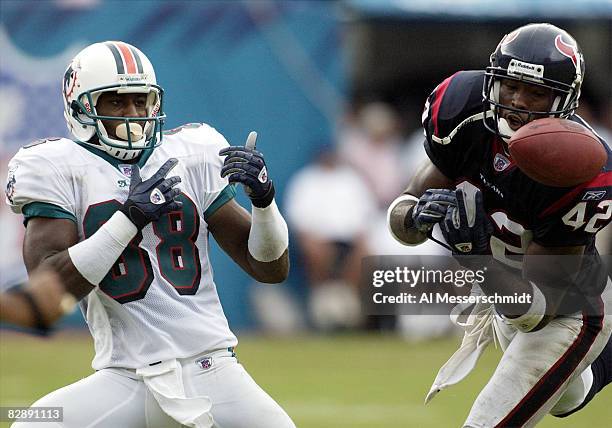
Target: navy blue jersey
<point>522,210</point>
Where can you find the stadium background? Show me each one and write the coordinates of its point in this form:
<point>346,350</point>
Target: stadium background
<point>290,70</point>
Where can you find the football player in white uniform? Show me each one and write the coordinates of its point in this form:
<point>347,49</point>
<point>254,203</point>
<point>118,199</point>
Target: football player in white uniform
<point>125,222</point>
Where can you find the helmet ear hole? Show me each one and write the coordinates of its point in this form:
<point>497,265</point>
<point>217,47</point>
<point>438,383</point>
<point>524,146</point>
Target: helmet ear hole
<point>76,108</point>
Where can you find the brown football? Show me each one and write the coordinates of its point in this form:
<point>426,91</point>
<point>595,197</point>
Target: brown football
<point>557,152</point>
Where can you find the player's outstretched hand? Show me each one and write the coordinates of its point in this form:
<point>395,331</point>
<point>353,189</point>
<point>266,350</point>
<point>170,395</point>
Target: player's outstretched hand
<point>467,228</point>
<point>148,200</point>
<point>432,208</point>
<point>245,165</point>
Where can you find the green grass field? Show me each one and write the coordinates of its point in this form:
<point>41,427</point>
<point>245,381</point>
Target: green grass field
<point>323,382</point>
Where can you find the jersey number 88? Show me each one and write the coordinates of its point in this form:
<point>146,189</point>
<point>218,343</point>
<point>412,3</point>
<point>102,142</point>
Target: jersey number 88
<point>177,255</point>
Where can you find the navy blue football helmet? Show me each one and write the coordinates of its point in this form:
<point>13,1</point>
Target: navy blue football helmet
<point>538,54</point>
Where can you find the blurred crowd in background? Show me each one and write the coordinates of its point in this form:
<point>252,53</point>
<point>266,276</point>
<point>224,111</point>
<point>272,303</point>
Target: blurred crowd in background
<point>347,145</point>
<point>336,206</point>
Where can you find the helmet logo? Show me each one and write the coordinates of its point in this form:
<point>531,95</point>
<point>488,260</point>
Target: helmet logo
<point>70,79</point>
<point>567,49</point>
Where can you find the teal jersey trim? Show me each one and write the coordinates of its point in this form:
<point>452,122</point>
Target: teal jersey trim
<point>227,194</point>
<point>44,209</point>
<point>144,156</point>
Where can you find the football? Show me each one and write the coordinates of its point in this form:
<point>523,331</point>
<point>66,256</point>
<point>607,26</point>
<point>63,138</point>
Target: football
<point>557,152</point>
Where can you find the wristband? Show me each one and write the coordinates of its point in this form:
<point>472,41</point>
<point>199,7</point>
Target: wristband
<point>530,319</point>
<point>407,223</point>
<point>265,200</point>
<point>39,321</point>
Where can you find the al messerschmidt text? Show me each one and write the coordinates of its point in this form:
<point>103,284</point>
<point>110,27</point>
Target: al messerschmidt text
<point>411,298</point>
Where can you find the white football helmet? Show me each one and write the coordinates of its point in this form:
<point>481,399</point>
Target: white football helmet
<point>112,67</point>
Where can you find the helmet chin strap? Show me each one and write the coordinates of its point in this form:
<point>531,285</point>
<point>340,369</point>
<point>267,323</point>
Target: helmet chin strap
<point>505,132</point>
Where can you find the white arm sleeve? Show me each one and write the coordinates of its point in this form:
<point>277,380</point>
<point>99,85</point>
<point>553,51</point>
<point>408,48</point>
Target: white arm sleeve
<point>269,236</point>
<point>96,255</point>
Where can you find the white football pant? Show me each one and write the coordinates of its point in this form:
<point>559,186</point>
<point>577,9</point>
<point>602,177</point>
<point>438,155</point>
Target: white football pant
<point>112,398</point>
<point>546,371</point>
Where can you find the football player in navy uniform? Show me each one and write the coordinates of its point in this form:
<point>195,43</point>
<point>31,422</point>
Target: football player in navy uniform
<point>557,350</point>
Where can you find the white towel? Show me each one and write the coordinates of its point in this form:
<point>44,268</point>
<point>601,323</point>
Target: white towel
<point>165,382</point>
<point>481,325</point>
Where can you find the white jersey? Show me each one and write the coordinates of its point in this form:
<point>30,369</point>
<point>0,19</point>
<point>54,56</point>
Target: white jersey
<point>159,300</point>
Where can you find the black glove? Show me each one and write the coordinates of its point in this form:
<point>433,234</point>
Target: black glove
<point>467,234</point>
<point>246,165</point>
<point>432,208</point>
<point>148,200</point>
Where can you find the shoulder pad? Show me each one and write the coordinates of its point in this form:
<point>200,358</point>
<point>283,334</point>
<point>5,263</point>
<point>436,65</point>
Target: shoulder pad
<point>178,129</point>
<point>578,119</point>
<point>598,189</point>
<point>197,143</point>
<point>200,134</point>
<point>41,141</point>
<point>454,103</point>
<point>39,174</point>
